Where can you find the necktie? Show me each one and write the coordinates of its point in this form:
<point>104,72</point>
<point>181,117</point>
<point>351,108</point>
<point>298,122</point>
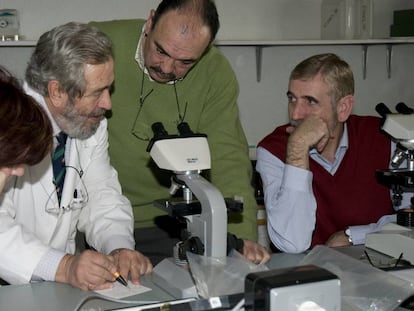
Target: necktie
<point>58,161</point>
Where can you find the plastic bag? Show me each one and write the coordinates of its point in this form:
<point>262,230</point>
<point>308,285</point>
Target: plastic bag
<point>363,287</point>
<point>221,276</point>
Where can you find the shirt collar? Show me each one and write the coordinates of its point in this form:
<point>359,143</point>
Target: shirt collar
<point>139,53</point>
<point>42,102</point>
<point>339,154</point>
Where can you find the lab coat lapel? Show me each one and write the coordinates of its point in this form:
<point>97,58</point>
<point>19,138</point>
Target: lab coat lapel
<point>44,197</point>
<point>43,173</point>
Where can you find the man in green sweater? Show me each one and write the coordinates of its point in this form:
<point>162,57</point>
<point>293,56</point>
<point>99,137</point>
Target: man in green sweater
<point>166,70</point>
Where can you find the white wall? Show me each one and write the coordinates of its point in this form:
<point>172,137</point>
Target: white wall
<point>262,104</point>
<point>240,19</point>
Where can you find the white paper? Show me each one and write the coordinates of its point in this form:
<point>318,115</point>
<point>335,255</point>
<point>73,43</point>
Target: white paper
<point>121,291</point>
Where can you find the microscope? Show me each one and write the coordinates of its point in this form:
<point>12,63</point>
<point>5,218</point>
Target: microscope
<point>202,205</point>
<point>401,128</point>
<point>396,239</point>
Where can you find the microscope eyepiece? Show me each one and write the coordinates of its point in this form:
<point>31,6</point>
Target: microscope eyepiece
<point>184,129</point>
<point>159,130</point>
<point>382,110</point>
<point>404,109</point>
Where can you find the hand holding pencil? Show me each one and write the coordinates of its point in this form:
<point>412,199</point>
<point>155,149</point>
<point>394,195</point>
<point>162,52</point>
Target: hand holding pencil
<point>131,263</point>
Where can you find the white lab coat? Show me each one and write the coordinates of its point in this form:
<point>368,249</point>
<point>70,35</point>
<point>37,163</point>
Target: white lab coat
<point>27,230</point>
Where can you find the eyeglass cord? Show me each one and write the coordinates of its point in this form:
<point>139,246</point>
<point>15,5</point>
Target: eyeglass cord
<point>143,97</point>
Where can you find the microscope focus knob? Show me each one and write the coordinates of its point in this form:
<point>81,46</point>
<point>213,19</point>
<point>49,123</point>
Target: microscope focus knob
<point>193,245</point>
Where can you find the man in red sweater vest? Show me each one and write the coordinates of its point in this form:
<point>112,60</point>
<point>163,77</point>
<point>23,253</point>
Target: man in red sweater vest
<point>318,171</point>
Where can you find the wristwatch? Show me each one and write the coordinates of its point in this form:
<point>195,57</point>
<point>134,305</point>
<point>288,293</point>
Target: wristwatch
<point>348,234</point>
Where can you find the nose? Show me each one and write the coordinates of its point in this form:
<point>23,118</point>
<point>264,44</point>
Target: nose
<point>105,100</point>
<point>297,110</point>
<point>167,65</point>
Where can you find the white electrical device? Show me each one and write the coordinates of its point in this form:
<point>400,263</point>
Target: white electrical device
<point>9,24</point>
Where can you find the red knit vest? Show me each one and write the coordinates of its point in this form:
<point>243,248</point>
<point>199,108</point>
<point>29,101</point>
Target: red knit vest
<point>352,195</point>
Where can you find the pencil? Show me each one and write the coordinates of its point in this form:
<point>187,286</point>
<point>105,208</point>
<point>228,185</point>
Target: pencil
<point>120,279</point>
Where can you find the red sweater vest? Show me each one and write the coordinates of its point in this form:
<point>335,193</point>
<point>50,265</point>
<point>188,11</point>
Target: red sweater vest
<point>352,195</point>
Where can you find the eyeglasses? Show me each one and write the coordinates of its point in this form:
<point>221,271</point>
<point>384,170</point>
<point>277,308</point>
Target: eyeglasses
<point>142,130</point>
<point>387,263</point>
<point>79,200</point>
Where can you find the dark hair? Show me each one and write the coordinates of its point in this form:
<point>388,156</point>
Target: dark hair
<point>61,54</point>
<point>206,9</point>
<point>25,129</point>
<point>334,71</point>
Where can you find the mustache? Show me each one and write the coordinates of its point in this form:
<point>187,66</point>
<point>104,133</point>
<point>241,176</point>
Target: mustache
<point>169,76</point>
<point>94,114</point>
<point>98,113</point>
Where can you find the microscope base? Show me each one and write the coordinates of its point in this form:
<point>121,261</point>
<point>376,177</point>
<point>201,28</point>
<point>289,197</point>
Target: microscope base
<point>175,280</point>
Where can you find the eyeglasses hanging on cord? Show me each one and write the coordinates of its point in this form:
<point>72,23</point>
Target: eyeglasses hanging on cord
<point>142,99</point>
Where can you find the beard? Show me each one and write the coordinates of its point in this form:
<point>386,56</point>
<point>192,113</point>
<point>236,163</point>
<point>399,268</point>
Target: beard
<point>76,124</point>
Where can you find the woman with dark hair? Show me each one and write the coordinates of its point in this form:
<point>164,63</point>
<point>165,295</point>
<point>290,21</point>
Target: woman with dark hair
<point>25,129</point>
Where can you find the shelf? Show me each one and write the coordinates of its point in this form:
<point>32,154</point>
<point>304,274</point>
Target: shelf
<point>396,40</point>
<point>260,44</point>
<point>18,43</point>
<point>264,43</point>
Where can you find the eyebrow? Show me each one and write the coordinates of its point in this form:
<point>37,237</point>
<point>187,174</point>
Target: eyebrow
<point>311,98</point>
<point>165,52</point>
<point>100,90</point>
<point>307,97</point>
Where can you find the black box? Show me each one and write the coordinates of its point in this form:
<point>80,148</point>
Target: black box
<point>296,283</point>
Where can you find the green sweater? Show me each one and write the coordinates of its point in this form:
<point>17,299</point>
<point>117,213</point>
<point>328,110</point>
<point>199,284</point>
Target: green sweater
<point>210,90</point>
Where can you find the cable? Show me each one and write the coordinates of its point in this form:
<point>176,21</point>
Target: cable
<point>98,296</point>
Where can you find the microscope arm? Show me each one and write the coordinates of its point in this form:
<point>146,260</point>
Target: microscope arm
<point>211,225</point>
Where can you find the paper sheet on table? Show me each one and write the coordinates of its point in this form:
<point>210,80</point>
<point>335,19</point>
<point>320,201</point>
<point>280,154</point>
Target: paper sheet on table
<point>121,291</point>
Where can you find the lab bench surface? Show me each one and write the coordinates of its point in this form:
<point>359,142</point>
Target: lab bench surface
<point>51,296</point>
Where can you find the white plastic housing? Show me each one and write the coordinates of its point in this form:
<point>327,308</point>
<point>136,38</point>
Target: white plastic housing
<point>401,127</point>
<point>182,154</point>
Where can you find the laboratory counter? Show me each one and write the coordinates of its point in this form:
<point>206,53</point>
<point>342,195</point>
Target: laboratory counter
<point>51,296</point>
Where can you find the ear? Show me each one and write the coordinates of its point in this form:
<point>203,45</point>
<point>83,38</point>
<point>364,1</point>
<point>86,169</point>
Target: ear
<point>148,24</point>
<point>57,97</point>
<point>344,107</point>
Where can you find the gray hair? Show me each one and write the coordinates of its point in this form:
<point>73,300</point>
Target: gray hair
<point>334,71</point>
<point>61,54</point>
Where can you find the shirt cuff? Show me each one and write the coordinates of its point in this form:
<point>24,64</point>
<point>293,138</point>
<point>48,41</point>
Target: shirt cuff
<point>359,233</point>
<point>47,266</point>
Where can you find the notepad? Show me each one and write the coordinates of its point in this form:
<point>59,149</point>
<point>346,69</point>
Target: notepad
<point>121,291</point>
